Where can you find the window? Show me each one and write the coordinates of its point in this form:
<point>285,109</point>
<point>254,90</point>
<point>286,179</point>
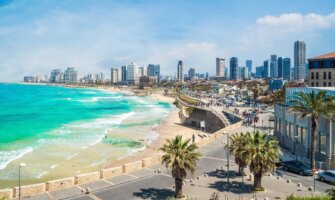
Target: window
<point>324,75</point>
<point>287,132</point>
<point>329,84</point>
<point>298,134</point>
<point>317,84</point>
<point>312,75</point>
<point>329,75</point>
<point>324,84</point>
<point>323,143</point>
<point>317,75</point>
<point>327,64</point>
<point>312,84</point>
<point>304,136</point>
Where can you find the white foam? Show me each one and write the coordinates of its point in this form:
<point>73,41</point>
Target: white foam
<point>41,174</point>
<point>71,156</point>
<point>7,157</point>
<point>54,166</point>
<point>98,163</point>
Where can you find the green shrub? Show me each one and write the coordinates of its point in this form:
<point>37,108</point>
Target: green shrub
<point>310,197</point>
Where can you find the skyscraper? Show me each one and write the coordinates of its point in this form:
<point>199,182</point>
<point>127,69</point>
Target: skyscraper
<point>233,68</point>
<point>220,67</point>
<point>280,67</point>
<point>70,75</point>
<point>273,67</point>
<point>133,74</point>
<point>248,63</point>
<point>180,76</point>
<point>299,60</point>
<point>191,73</point>
<point>266,69</point>
<point>124,73</point>
<point>259,72</point>
<point>114,77</point>
<point>287,68</point>
<point>244,73</point>
<point>154,70</point>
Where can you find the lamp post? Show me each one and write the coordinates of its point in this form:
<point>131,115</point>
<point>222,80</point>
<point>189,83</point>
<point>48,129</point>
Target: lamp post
<point>20,166</point>
<point>227,158</point>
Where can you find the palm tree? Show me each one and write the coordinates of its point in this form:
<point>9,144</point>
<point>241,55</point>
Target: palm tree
<point>237,144</point>
<point>180,157</point>
<point>262,153</point>
<point>314,105</point>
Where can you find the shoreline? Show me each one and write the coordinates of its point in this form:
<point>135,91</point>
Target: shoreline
<point>168,127</point>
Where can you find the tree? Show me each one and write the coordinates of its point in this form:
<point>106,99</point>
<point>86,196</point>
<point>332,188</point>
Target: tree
<point>237,144</point>
<point>314,105</point>
<point>180,157</point>
<point>262,153</point>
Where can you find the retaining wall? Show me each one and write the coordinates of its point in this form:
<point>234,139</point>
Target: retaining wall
<point>59,184</point>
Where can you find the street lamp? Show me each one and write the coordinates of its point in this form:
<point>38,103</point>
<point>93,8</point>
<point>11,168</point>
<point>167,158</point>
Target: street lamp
<point>20,166</point>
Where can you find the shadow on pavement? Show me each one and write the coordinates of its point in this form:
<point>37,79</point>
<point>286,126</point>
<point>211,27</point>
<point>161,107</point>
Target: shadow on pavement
<point>234,187</point>
<point>154,193</point>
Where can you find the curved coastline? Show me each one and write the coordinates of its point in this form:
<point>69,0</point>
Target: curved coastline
<point>143,152</point>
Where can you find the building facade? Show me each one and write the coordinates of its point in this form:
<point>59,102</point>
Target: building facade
<point>244,73</point>
<point>133,74</point>
<point>259,72</point>
<point>70,75</point>
<point>322,70</point>
<point>280,67</point>
<point>287,68</point>
<point>266,69</point>
<point>248,64</point>
<point>299,60</point>
<point>154,70</point>
<point>180,71</point>
<point>234,68</point>
<point>294,132</point>
<point>220,67</point>
<point>273,66</point>
<point>191,73</point>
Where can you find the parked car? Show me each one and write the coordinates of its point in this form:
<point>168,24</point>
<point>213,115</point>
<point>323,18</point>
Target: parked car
<point>327,176</point>
<point>297,167</point>
<point>279,162</point>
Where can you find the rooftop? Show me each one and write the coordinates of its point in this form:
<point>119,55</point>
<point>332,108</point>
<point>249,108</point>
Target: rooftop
<point>325,56</point>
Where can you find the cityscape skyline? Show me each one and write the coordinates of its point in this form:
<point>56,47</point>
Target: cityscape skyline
<point>37,36</point>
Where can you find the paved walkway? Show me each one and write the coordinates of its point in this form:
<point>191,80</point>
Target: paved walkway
<point>210,177</point>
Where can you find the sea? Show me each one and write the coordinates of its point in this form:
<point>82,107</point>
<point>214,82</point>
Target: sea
<point>59,131</point>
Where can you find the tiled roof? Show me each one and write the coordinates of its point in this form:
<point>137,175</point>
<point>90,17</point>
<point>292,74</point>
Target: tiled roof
<point>325,56</point>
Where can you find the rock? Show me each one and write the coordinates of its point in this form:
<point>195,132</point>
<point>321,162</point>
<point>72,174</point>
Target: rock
<point>88,190</point>
<point>288,181</point>
<point>266,198</point>
<point>198,177</point>
<point>205,175</point>
<point>310,188</point>
<point>299,184</point>
<point>278,177</point>
<point>191,180</point>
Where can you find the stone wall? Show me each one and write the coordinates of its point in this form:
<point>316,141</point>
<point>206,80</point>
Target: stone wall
<point>59,184</point>
<point>132,166</point>
<point>6,193</point>
<point>106,173</point>
<point>86,178</point>
<point>29,190</point>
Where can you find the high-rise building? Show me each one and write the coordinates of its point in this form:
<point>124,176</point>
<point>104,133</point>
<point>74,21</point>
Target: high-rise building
<point>248,63</point>
<point>299,60</point>
<point>280,67</point>
<point>287,68</point>
<point>266,69</point>
<point>191,73</point>
<point>244,73</point>
<point>220,67</point>
<point>142,71</point>
<point>56,76</point>
<point>133,74</point>
<point>233,68</point>
<point>273,66</point>
<point>154,70</point>
<point>322,70</point>
<point>114,75</point>
<point>180,76</point>
<point>124,73</point>
<point>70,75</point>
<point>259,72</point>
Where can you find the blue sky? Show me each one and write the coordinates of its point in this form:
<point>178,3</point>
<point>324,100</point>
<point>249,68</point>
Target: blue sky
<point>95,35</point>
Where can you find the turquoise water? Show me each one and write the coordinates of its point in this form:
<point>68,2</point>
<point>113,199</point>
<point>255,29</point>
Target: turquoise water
<point>34,117</point>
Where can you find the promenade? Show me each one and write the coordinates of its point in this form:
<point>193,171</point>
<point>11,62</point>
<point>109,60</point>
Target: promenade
<point>210,177</point>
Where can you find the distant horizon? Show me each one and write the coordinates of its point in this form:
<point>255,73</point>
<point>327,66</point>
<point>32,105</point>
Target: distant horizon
<point>94,36</point>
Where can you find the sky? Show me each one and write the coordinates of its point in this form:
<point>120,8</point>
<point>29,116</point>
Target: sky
<point>37,36</point>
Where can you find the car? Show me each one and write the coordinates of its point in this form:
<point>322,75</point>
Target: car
<point>297,167</point>
<point>327,176</point>
<point>279,162</point>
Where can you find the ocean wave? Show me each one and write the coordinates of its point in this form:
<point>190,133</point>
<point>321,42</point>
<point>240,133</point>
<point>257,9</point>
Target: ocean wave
<point>41,174</point>
<point>54,166</point>
<point>72,156</point>
<point>7,157</point>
